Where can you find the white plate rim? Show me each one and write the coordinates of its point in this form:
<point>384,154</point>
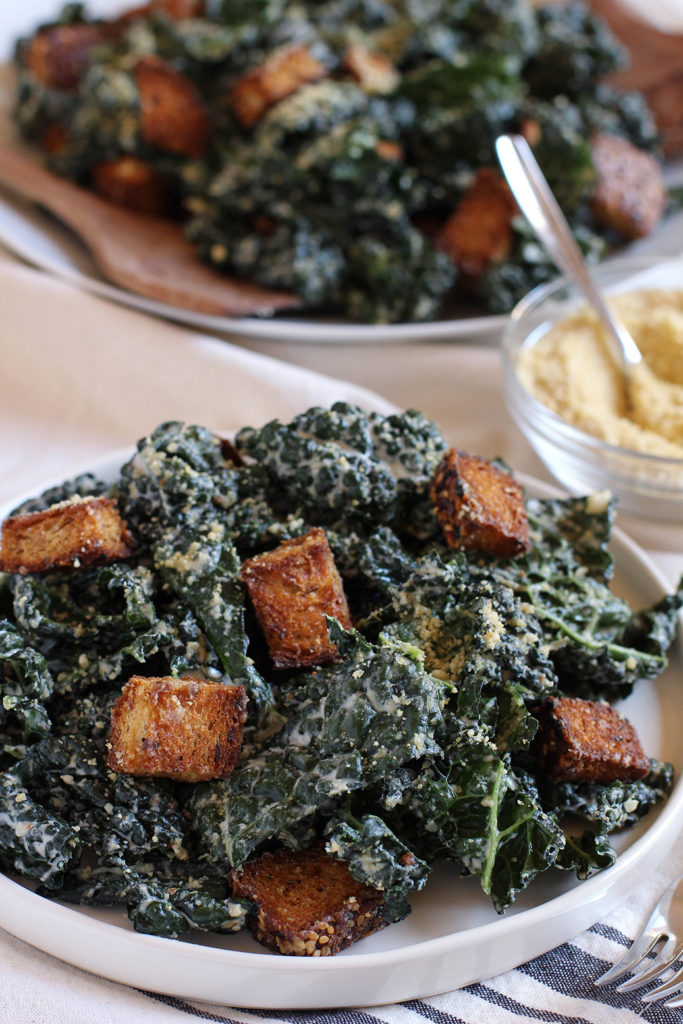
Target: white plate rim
<point>438,964</point>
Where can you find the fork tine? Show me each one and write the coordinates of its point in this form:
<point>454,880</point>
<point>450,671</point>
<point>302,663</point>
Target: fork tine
<point>652,970</point>
<point>633,956</point>
<point>675,1002</point>
<point>655,928</point>
<point>670,987</point>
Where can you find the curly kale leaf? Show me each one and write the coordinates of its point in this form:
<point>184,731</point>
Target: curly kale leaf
<point>586,854</point>
<point>173,479</point>
<point>157,906</point>
<point>26,681</point>
<point>89,624</point>
<point>202,567</point>
<point>476,635</point>
<point>374,710</point>
<point>117,815</point>
<point>173,489</point>
<point>33,841</point>
<point>81,486</point>
<point>613,806</point>
<point>343,460</point>
<point>324,477</point>
<point>577,48</point>
<point>598,647</point>
<point>377,857</point>
<point>470,806</point>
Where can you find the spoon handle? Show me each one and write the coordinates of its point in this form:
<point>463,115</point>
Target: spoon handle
<point>541,209</point>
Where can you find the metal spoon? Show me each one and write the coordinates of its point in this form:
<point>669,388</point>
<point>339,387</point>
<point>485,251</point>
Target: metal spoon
<point>541,209</point>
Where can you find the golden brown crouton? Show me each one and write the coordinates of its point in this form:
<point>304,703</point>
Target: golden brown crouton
<point>172,115</point>
<point>307,903</point>
<point>389,150</point>
<point>630,195</point>
<point>479,231</point>
<point>587,741</point>
<point>74,533</point>
<point>130,182</point>
<point>55,139</point>
<point>281,74</point>
<point>373,71</point>
<point>173,9</point>
<point>480,507</point>
<point>59,55</point>
<point>184,729</point>
<point>292,588</point>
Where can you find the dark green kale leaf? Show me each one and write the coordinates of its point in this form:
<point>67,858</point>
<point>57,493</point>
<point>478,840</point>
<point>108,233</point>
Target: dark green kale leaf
<point>598,647</point>
<point>173,479</point>
<point>89,625</point>
<point>201,565</point>
<point>476,636</point>
<point>472,807</point>
<point>81,486</point>
<point>613,806</point>
<point>157,906</point>
<point>372,711</point>
<point>377,857</point>
<point>26,681</point>
<point>577,48</point>
<point>606,808</point>
<point>586,854</point>
<point>172,492</point>
<point>325,477</point>
<point>33,841</point>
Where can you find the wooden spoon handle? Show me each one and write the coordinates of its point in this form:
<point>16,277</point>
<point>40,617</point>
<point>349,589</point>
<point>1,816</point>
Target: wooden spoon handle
<point>24,176</point>
<point>142,254</point>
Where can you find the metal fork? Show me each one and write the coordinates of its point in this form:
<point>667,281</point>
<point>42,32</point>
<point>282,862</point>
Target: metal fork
<point>662,935</point>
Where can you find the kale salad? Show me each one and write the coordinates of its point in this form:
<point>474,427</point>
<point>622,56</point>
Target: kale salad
<point>320,148</point>
<point>414,747</point>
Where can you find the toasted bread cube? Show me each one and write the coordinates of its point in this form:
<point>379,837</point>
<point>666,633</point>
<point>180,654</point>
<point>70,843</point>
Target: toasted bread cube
<point>292,589</point>
<point>59,55</point>
<point>307,903</point>
<point>280,75</point>
<point>480,507</point>
<point>184,729</point>
<point>55,139</point>
<point>389,150</point>
<point>587,741</point>
<point>130,182</point>
<point>172,114</point>
<point>373,71</point>
<point>630,196</point>
<point>173,9</point>
<point>479,231</point>
<point>74,533</point>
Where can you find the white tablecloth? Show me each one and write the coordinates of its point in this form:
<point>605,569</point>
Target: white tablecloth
<point>80,377</point>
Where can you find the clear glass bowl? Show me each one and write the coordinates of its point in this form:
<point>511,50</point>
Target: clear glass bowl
<point>650,486</point>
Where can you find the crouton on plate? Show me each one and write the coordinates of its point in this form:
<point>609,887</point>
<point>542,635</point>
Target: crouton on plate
<point>292,589</point>
<point>184,729</point>
<point>587,741</point>
<point>307,903</point>
<point>74,533</point>
<point>480,507</point>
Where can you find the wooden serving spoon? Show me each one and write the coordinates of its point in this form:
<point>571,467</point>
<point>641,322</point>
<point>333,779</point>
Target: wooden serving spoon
<point>143,254</point>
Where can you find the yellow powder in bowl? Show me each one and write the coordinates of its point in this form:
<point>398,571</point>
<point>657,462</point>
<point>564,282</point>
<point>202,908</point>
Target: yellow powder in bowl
<point>571,371</point>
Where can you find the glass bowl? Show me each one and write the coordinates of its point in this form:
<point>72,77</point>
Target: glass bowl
<point>649,486</point>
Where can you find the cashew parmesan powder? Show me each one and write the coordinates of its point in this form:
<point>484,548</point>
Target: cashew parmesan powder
<point>571,371</point>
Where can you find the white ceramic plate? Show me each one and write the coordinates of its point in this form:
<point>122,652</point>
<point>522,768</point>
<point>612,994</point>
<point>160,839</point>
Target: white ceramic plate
<point>43,242</point>
<point>452,938</point>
